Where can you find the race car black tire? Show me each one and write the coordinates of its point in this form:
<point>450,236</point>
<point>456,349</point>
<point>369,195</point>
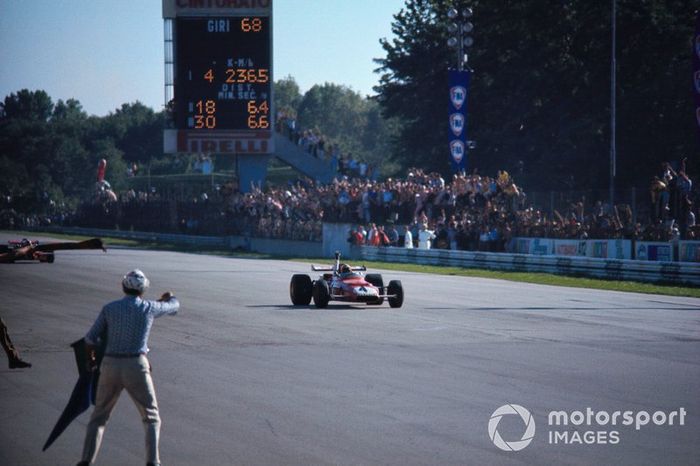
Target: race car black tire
<point>50,258</point>
<point>321,293</point>
<point>300,289</point>
<point>396,288</point>
<point>376,280</point>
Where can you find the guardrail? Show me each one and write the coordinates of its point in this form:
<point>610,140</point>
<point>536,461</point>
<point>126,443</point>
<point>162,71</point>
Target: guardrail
<point>613,269</point>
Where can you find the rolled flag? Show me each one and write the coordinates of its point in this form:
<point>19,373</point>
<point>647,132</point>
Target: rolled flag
<point>83,394</point>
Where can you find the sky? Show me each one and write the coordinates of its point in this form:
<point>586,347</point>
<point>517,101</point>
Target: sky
<point>107,53</point>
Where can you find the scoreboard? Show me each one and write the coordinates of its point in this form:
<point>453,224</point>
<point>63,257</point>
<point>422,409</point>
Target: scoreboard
<point>222,77</point>
<point>223,73</point>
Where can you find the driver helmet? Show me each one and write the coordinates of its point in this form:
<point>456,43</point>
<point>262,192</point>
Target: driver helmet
<point>135,280</point>
<point>347,272</point>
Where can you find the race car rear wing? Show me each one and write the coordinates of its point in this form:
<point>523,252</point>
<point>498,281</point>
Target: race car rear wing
<point>330,268</point>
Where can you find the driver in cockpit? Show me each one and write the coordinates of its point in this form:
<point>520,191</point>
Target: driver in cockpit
<point>345,271</point>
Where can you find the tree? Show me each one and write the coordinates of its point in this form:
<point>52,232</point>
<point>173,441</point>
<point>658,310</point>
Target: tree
<point>27,105</point>
<point>287,95</point>
<point>49,154</point>
<point>335,109</point>
<point>68,110</point>
<point>540,90</point>
<point>137,131</point>
<point>412,86</point>
<point>24,142</point>
<point>349,120</point>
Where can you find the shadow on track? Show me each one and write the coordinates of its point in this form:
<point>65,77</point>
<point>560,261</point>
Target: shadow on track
<point>331,307</point>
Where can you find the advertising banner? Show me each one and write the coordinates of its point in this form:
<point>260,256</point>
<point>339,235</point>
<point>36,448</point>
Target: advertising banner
<point>609,248</point>
<point>522,245</point>
<point>458,91</point>
<point>569,247</point>
<point>696,71</point>
<point>540,247</point>
<point>654,251</point>
<point>689,251</point>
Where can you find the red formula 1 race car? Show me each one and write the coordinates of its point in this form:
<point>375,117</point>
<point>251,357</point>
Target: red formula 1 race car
<point>341,282</point>
<point>26,250</point>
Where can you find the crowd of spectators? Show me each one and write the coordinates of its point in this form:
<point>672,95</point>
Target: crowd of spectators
<point>673,201</point>
<point>472,208</point>
<point>467,212</point>
<point>267,214</point>
<point>313,142</point>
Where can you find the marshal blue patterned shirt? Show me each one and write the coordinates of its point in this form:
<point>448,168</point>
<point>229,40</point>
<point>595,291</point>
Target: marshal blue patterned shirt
<point>128,322</point>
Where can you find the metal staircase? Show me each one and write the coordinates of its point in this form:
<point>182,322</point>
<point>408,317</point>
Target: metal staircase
<point>297,158</point>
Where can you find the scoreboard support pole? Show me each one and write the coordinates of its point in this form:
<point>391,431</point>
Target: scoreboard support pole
<point>252,171</point>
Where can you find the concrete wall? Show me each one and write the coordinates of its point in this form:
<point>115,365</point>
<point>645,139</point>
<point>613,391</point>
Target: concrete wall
<point>335,238</point>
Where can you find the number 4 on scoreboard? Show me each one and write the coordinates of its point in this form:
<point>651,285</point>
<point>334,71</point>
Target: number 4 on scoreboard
<point>209,75</point>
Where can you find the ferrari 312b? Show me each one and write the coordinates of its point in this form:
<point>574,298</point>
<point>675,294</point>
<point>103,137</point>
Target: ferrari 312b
<point>342,282</point>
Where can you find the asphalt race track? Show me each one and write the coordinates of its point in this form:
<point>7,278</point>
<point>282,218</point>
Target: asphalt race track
<point>245,378</point>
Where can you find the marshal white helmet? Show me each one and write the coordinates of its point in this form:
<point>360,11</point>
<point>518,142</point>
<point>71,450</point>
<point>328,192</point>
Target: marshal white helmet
<point>135,280</point>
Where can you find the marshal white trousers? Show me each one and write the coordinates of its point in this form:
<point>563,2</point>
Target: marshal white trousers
<point>133,375</point>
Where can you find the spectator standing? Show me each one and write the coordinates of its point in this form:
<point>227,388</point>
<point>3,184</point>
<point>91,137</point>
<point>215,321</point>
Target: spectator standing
<point>393,236</point>
<point>425,237</point>
<point>383,237</point>
<point>352,237</point>
<point>484,239</point>
<point>407,238</point>
<point>373,237</point>
<point>452,235</point>
<point>361,235</point>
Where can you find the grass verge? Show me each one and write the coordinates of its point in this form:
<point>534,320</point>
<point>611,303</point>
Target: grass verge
<point>526,277</point>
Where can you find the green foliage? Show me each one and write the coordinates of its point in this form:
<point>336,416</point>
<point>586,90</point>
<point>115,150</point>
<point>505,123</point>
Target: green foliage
<point>49,154</point>
<point>348,120</point>
<point>27,105</point>
<point>287,96</point>
<point>70,110</point>
<point>137,130</point>
<point>335,109</point>
<point>541,87</point>
<point>413,84</point>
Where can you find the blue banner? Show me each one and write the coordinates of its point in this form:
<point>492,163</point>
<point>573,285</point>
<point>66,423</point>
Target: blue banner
<point>696,70</point>
<point>459,88</point>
